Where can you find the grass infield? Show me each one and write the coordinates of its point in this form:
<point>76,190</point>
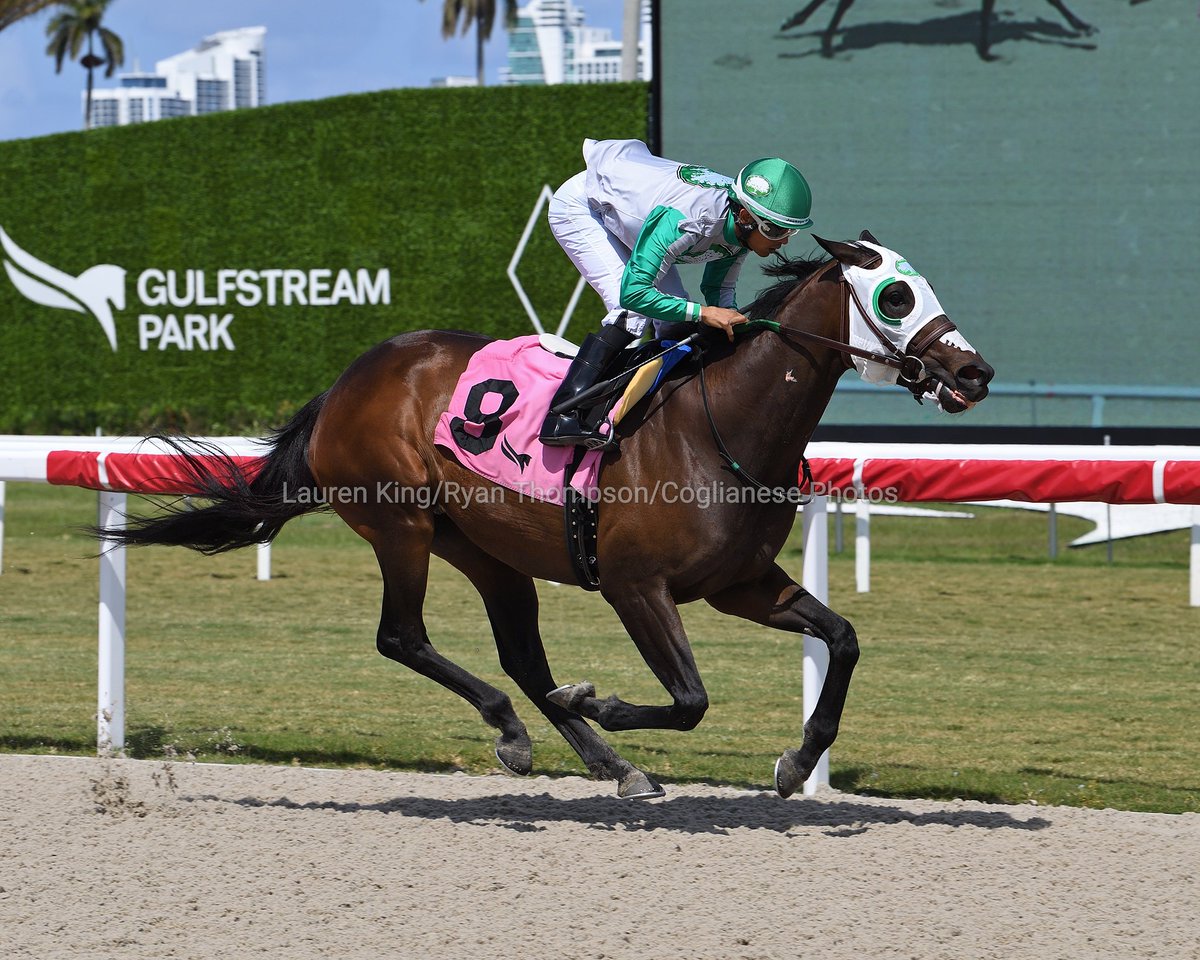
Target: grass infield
<point>987,672</point>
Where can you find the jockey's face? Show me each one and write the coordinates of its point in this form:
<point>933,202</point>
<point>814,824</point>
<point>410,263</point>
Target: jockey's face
<point>753,239</point>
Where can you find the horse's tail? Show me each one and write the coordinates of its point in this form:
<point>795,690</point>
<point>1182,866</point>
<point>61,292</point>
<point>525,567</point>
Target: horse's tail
<point>246,507</point>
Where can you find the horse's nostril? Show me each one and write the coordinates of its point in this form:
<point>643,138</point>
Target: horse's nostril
<point>973,374</point>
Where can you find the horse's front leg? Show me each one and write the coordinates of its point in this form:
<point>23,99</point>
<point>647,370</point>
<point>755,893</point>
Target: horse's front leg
<point>649,615</point>
<point>776,600</point>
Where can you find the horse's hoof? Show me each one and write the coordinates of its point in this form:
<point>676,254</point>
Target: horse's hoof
<point>515,754</point>
<point>788,776</point>
<point>635,785</point>
<point>569,695</point>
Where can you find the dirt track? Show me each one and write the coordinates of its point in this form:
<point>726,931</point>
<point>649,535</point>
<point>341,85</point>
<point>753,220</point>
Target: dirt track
<point>129,859</point>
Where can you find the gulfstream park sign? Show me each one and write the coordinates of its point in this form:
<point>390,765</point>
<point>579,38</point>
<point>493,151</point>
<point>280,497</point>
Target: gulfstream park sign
<point>101,292</point>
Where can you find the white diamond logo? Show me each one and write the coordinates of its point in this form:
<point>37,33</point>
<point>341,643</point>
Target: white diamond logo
<point>542,200</point>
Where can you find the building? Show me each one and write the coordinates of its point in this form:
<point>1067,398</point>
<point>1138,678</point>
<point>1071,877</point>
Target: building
<point>550,44</point>
<point>454,81</point>
<point>223,72</point>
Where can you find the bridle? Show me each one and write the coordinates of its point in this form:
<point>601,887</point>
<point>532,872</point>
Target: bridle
<point>908,362</point>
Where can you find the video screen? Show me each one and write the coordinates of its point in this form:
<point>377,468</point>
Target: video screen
<point>1042,175</point>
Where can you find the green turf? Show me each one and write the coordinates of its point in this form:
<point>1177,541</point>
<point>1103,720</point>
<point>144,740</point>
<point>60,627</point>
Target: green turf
<point>987,670</point>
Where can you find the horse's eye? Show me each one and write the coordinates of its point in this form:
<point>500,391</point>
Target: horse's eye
<point>895,301</point>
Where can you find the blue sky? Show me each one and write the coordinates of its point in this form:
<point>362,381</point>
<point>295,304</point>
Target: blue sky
<point>314,49</point>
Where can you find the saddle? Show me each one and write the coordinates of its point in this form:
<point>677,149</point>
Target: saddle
<point>636,372</point>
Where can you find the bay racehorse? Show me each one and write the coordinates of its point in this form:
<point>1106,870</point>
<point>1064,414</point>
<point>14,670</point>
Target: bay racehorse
<point>739,418</point>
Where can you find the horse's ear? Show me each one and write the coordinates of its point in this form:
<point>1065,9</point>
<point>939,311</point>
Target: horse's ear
<point>866,235</point>
<point>851,254</point>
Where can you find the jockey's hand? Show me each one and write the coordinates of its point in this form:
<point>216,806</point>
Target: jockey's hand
<point>722,318</point>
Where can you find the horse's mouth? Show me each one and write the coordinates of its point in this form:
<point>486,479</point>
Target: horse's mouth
<point>949,399</point>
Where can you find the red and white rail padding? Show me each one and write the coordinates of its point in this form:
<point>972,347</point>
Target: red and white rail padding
<point>131,472</point>
<point>867,474</point>
<point>126,464</point>
<point>909,473</point>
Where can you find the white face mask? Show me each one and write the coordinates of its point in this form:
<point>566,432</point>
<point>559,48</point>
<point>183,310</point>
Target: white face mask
<point>869,285</point>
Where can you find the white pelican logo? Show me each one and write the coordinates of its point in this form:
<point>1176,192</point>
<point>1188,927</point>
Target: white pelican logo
<point>95,291</point>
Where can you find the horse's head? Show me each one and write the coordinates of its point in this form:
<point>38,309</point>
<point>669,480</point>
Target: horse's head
<point>893,306</point>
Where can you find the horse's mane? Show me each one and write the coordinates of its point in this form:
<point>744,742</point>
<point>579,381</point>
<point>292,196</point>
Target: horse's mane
<point>794,272</point>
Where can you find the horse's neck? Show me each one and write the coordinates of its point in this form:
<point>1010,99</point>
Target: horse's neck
<point>776,387</point>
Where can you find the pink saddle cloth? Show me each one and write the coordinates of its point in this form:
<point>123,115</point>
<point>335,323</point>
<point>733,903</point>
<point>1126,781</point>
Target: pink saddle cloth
<point>496,413</point>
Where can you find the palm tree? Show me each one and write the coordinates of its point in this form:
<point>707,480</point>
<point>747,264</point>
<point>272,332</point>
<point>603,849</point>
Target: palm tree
<point>483,14</point>
<point>77,21</point>
<point>13,10</point>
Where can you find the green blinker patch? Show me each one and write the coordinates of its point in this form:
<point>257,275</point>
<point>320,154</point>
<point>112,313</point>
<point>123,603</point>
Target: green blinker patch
<point>875,302</point>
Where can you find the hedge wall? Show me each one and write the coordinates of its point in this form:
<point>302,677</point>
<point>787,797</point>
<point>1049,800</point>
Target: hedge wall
<point>434,186</point>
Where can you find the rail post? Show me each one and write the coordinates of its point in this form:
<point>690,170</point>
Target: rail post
<point>262,556</point>
<point>815,534</point>
<point>1194,566</point>
<point>110,713</point>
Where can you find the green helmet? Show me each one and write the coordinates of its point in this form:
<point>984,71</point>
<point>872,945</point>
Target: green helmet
<point>774,190</point>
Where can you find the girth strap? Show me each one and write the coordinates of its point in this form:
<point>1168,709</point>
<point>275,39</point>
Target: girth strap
<point>579,524</point>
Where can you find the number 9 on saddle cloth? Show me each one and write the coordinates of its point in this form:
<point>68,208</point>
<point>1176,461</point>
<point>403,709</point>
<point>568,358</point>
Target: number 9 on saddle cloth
<point>496,412</point>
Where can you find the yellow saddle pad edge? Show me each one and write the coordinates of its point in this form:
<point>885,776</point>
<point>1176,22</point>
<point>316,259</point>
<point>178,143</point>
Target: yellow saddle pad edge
<point>638,387</point>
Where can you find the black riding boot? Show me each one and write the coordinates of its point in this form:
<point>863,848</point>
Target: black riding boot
<point>566,429</point>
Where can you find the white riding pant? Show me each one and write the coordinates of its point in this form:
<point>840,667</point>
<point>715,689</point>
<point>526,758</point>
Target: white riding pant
<point>598,255</point>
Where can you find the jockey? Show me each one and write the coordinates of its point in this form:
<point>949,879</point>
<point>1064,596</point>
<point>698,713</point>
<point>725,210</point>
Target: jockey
<point>630,217</point>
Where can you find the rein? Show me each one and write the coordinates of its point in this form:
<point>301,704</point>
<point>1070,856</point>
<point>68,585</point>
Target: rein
<point>734,466</point>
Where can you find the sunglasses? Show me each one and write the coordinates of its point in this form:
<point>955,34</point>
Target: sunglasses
<point>772,231</point>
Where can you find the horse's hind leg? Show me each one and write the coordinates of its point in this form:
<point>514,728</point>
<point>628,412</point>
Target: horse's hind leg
<point>652,621</point>
<point>511,601</point>
<point>403,554</point>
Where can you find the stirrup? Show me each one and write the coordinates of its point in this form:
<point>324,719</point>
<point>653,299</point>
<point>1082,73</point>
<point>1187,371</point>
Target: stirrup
<point>600,442</point>
<point>592,441</point>
<point>595,440</point>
